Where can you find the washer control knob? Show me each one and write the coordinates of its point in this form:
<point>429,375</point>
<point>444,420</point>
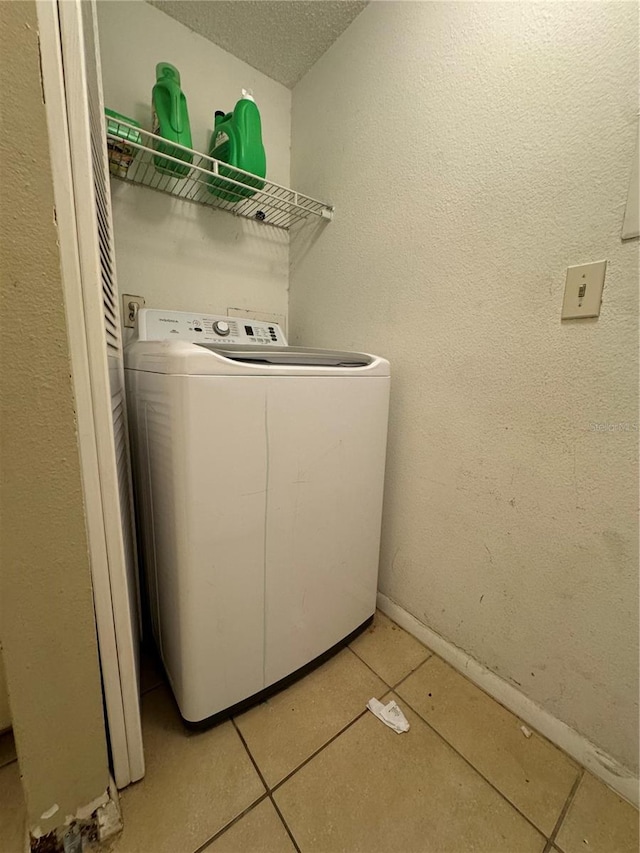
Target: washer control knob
<point>221,328</point>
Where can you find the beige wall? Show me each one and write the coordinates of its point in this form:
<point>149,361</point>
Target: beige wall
<point>48,630</point>
<point>5,711</point>
<point>474,151</point>
<point>177,254</point>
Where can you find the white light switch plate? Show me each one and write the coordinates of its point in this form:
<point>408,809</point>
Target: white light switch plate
<point>583,291</point>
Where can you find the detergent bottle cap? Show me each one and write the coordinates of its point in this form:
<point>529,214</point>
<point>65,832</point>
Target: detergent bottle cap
<point>168,71</point>
<point>247,94</point>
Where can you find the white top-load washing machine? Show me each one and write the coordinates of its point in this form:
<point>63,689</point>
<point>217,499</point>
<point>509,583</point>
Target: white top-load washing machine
<point>259,475</point>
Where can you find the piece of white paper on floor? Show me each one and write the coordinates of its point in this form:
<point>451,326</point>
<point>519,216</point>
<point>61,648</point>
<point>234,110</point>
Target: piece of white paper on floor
<point>390,714</point>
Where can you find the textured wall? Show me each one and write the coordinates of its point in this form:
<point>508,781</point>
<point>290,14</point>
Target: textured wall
<point>175,254</point>
<point>473,151</point>
<point>48,629</point>
<point>5,711</point>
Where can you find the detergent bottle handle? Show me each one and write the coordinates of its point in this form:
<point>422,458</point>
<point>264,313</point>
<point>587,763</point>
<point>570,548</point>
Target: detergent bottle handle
<point>169,77</point>
<point>174,92</point>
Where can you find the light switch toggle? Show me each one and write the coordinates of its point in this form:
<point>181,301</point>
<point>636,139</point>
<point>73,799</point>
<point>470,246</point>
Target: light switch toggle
<point>583,291</point>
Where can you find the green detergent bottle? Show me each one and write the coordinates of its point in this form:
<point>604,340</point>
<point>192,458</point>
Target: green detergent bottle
<point>170,120</point>
<point>237,140</point>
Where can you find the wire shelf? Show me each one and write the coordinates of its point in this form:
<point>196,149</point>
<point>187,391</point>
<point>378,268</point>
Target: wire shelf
<point>189,175</point>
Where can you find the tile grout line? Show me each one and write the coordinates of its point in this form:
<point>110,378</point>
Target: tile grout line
<point>284,823</point>
<point>581,770</point>
<point>151,689</point>
<point>231,823</point>
<point>563,812</point>
<point>370,668</point>
<point>394,687</point>
<point>268,788</point>
<point>430,655</point>
<point>269,791</point>
<point>279,784</point>
<point>415,669</point>
<point>475,769</point>
<point>318,751</point>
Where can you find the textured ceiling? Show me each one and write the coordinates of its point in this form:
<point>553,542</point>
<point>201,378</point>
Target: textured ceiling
<point>281,38</point>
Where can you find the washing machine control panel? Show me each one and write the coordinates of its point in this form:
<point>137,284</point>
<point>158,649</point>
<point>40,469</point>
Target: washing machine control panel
<point>156,325</point>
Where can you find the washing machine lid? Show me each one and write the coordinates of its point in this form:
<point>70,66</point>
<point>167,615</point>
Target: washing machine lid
<point>195,359</point>
<point>291,356</point>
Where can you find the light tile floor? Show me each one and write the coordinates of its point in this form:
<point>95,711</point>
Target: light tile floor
<point>312,770</point>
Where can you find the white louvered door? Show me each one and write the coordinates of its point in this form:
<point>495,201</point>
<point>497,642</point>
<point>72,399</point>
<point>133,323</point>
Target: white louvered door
<point>116,592</point>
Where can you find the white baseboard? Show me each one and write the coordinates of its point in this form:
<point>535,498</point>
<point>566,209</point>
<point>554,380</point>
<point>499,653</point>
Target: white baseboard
<point>578,747</point>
